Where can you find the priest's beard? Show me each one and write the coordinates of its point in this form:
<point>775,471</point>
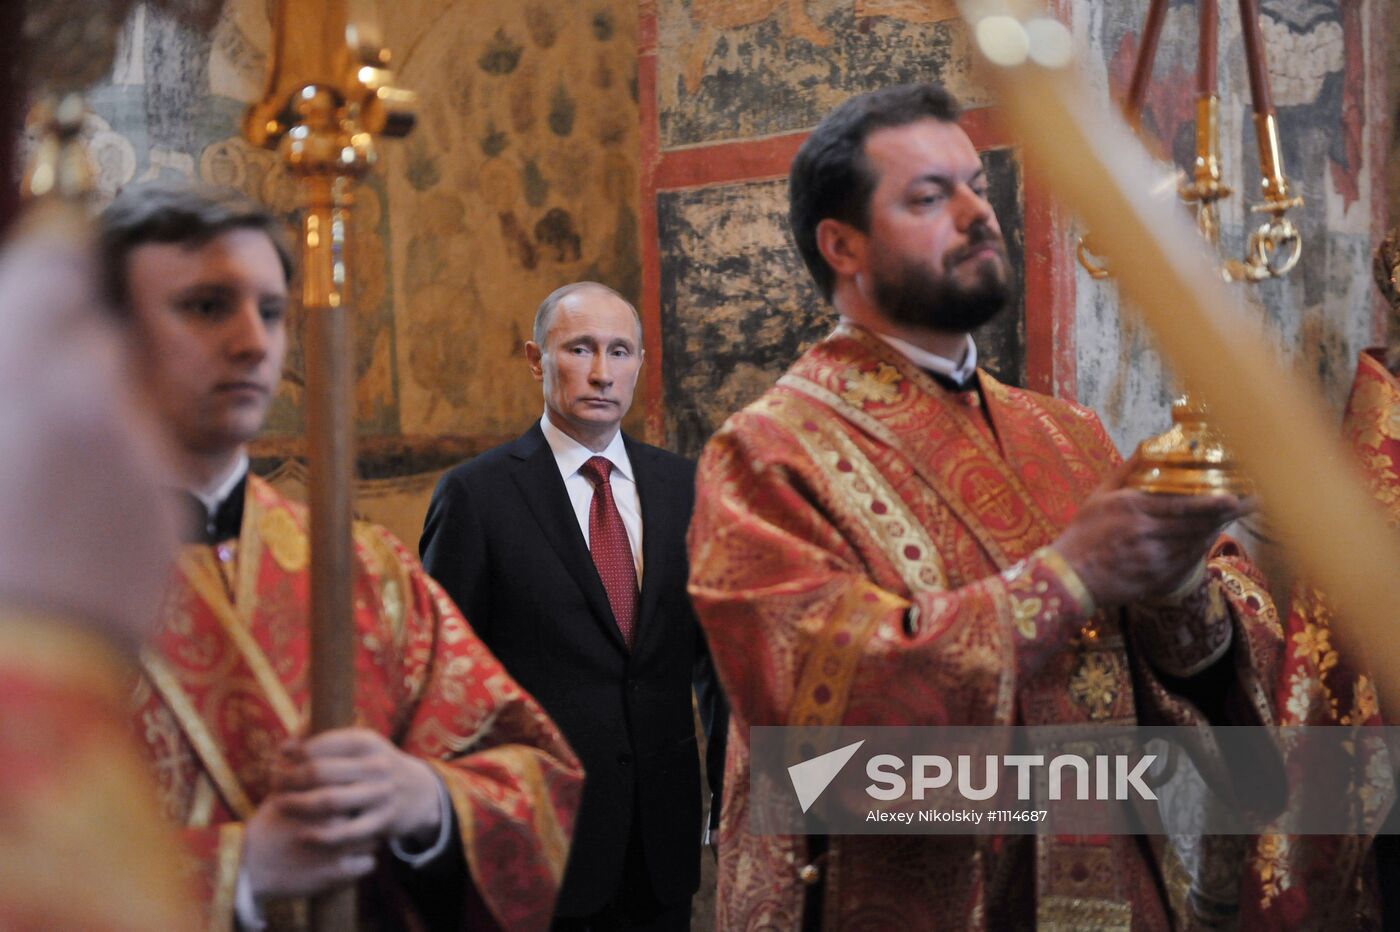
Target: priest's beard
<point>912,294</point>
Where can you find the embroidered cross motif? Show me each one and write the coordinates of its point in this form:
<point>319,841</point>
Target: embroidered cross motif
<point>880,386</point>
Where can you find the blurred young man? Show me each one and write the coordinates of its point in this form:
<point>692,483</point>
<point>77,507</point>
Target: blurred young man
<point>453,798</point>
<point>84,548</point>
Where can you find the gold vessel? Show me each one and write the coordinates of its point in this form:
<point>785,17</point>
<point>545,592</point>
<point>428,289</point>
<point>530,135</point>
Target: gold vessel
<point>1188,459</point>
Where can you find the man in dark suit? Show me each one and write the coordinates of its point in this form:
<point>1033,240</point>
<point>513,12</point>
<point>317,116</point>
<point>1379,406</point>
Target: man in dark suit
<point>566,549</point>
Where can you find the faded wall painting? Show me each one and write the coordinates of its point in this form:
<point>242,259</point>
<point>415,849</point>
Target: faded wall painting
<point>521,175</point>
<point>734,302</point>
<point>1319,54</point>
<point>739,69</point>
<point>733,77</point>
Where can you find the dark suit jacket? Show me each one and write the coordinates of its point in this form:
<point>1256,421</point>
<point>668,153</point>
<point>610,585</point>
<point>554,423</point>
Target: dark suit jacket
<point>502,539</point>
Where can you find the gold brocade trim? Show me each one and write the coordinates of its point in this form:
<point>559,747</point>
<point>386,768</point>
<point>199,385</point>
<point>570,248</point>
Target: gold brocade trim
<point>388,574</point>
<point>1372,423</point>
<point>287,543</point>
<point>1075,914</point>
<point>524,763</point>
<point>61,650</point>
<point>985,445</point>
<point>227,862</point>
<point>1097,682</point>
<point>824,686</point>
<point>924,464</point>
<point>884,435</point>
<point>1271,864</point>
<point>1375,406</point>
<point>197,731</point>
<point>205,578</point>
<point>879,509</point>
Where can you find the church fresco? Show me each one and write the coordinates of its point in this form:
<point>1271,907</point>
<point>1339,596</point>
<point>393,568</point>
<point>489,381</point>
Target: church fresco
<point>1323,313</point>
<point>520,176</point>
<point>740,73</point>
<point>739,69</point>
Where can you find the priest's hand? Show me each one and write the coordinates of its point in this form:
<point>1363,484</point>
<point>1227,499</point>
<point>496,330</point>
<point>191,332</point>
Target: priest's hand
<point>1128,545</point>
<point>335,798</point>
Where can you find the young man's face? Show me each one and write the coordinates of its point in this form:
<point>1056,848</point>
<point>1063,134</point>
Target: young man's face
<point>936,256</point>
<point>210,329</point>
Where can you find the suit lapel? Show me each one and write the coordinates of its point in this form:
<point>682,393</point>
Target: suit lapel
<point>649,491</point>
<point>543,490</point>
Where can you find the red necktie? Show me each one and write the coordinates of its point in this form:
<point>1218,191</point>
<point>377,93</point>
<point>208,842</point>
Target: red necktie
<point>612,554</point>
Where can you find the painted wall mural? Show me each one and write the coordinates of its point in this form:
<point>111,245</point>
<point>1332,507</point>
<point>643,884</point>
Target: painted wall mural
<point>520,176</point>
<point>731,298</point>
<point>738,70</point>
<point>523,176</point>
<point>1329,112</point>
<point>736,85</point>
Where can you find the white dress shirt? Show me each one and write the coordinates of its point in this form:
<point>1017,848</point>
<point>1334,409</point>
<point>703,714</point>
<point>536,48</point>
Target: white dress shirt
<point>957,370</point>
<point>570,455</point>
<point>221,489</point>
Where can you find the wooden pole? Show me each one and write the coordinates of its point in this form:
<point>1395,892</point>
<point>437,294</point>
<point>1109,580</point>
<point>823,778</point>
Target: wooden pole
<point>1208,50</point>
<point>1147,54</point>
<point>329,94</point>
<point>329,339</point>
<point>1255,59</point>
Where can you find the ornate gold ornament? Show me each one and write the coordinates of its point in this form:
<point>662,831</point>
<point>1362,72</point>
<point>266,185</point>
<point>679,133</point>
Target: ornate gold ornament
<point>1190,458</point>
<point>329,94</point>
<point>1386,268</point>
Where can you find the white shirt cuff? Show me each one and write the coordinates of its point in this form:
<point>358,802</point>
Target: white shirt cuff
<point>245,905</point>
<point>250,916</point>
<point>417,859</point>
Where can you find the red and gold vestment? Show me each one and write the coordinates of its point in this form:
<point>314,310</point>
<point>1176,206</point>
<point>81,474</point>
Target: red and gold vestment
<point>869,548</point>
<point>82,843</point>
<point>1326,881</point>
<point>226,683</point>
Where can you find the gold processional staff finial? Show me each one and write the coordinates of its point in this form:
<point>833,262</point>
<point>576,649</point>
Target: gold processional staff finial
<point>330,93</point>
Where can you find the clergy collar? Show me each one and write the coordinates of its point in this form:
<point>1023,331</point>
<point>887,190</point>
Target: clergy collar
<point>220,490</point>
<point>569,454</point>
<point>957,373</point>
<point>217,515</point>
